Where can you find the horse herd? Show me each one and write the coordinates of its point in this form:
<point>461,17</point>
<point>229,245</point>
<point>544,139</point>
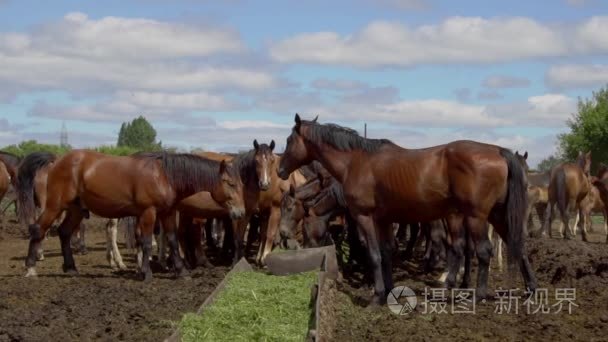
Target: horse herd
<point>450,193</point>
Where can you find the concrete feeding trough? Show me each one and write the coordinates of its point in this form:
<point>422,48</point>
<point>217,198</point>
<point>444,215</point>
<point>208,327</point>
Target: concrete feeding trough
<point>322,259</point>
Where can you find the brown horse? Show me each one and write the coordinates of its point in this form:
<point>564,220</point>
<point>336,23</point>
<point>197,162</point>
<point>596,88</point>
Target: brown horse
<point>538,195</point>
<point>146,185</point>
<point>601,184</point>
<point>466,181</point>
<point>10,165</point>
<point>266,201</point>
<point>568,187</point>
<point>5,183</point>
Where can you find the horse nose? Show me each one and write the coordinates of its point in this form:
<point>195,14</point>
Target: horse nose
<point>264,185</point>
<point>237,213</point>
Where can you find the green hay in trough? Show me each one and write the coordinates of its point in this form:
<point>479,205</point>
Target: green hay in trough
<point>255,307</point>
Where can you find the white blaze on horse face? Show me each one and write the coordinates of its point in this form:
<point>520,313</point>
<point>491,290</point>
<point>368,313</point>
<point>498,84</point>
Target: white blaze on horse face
<point>265,172</point>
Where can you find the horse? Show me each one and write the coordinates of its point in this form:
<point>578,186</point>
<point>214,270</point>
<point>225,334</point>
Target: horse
<point>467,181</point>
<point>593,203</point>
<point>8,174</point>
<point>568,187</point>
<point>263,195</point>
<point>146,185</point>
<point>601,184</point>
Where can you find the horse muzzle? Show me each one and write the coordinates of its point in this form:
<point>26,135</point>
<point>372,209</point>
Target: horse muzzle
<point>237,213</point>
<point>264,186</point>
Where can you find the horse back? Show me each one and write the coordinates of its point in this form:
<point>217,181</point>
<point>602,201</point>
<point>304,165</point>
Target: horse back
<point>430,181</point>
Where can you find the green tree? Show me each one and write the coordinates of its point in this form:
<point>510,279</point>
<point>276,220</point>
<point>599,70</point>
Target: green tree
<point>26,147</point>
<point>548,163</point>
<point>588,130</point>
<point>138,134</point>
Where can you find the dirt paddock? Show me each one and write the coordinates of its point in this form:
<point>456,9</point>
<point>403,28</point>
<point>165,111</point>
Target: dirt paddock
<point>102,304</point>
<point>558,264</point>
<point>99,304</point>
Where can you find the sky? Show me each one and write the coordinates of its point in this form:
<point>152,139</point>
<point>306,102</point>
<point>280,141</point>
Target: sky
<point>216,75</point>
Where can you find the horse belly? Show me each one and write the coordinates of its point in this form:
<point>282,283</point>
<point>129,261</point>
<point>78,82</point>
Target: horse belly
<point>109,207</point>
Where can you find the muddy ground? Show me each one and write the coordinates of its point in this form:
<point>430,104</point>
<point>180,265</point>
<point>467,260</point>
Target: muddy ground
<point>558,263</point>
<point>99,304</point>
<point>102,304</point>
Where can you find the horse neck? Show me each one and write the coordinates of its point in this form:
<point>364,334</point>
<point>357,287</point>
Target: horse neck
<point>335,161</point>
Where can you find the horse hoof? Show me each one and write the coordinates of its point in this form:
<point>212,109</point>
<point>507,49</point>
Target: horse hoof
<point>31,273</point>
<point>122,267</point>
<point>40,257</point>
<point>146,277</point>
<point>70,271</point>
<point>376,302</point>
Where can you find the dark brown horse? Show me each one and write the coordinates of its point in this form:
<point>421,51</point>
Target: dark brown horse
<point>146,185</point>
<point>568,187</point>
<point>468,182</point>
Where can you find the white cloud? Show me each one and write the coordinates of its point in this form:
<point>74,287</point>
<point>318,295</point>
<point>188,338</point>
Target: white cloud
<point>164,107</point>
<point>80,55</point>
<point>572,76</point>
<point>502,81</point>
<point>455,40</point>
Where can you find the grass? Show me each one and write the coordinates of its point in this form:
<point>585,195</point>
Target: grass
<point>255,307</point>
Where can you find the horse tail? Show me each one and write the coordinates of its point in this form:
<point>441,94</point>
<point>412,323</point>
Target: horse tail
<point>560,184</point>
<point>26,197</point>
<point>516,205</point>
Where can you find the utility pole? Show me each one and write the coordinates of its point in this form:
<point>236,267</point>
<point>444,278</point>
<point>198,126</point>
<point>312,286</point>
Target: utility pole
<point>63,138</point>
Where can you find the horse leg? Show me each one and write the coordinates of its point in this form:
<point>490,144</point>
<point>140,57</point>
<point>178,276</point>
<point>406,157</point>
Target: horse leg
<point>228,241</point>
<point>565,228</point>
<point>253,233</point>
<point>367,230</point>
<point>414,230</point>
<point>577,220</point>
<point>468,254</point>
<point>162,249</point>
<point>271,231</point>
<point>605,212</point>
<point>583,222</point>
<point>169,227</point>
<point>387,243</point>
<point>455,249</point>
<point>70,223</point>
<point>498,243</point>
<point>145,225</point>
<point>548,220</point>
<point>238,235</point>
<point>37,233</point>
<point>478,230</point>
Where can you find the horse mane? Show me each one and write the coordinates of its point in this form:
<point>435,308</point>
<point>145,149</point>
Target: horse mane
<point>10,159</point>
<point>342,138</point>
<point>244,166</point>
<point>187,173</point>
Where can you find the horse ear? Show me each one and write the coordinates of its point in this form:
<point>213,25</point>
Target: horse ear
<point>517,152</point>
<point>526,155</point>
<point>255,144</point>
<point>223,166</point>
<point>315,119</point>
<point>298,122</point>
<point>272,145</point>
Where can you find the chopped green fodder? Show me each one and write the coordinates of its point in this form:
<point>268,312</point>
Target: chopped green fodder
<point>255,307</point>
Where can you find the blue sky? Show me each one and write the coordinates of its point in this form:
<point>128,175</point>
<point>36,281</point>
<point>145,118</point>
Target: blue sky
<point>217,75</point>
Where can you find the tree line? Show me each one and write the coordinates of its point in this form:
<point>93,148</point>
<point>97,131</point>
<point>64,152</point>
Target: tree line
<point>588,131</point>
<point>135,136</point>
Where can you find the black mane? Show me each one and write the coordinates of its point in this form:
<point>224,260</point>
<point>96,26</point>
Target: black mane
<point>10,159</point>
<point>244,166</point>
<point>187,173</point>
<point>342,138</point>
